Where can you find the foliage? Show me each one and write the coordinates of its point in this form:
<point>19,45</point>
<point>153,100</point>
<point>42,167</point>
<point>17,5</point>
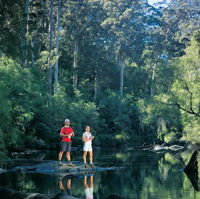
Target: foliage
<point>110,46</point>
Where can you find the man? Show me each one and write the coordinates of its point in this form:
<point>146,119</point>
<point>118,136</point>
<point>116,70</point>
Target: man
<point>66,133</point>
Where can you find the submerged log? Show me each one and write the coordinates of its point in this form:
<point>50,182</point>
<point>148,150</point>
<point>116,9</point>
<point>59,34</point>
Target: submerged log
<point>191,170</point>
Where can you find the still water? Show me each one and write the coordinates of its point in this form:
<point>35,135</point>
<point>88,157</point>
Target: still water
<point>140,175</point>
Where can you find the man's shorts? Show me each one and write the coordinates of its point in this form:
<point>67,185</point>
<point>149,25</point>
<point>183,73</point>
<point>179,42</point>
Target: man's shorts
<point>87,147</point>
<point>65,146</point>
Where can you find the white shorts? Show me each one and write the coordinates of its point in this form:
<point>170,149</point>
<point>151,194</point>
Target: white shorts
<point>89,193</point>
<point>87,147</point>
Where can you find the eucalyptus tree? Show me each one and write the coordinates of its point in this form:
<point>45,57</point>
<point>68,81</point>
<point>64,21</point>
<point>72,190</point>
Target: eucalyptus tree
<point>74,21</point>
<point>58,29</point>
<point>125,26</point>
<point>24,33</point>
<point>51,26</point>
<point>185,90</point>
<point>10,23</point>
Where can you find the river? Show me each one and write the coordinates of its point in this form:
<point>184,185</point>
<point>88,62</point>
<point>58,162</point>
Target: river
<point>139,175</point>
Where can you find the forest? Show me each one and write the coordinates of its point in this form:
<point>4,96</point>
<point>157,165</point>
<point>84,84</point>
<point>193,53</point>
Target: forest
<point>128,69</point>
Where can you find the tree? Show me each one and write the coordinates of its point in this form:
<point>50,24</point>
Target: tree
<point>185,89</point>
<point>57,46</point>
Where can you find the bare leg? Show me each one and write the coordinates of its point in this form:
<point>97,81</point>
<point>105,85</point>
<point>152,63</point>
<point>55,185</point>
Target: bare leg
<point>68,156</point>
<point>85,182</point>
<point>91,157</point>
<point>60,155</point>
<point>84,156</point>
<point>61,186</point>
<point>91,182</point>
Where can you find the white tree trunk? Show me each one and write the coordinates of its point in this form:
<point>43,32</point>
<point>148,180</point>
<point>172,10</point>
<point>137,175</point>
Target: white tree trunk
<point>23,45</point>
<point>121,65</point>
<point>50,47</point>
<point>57,47</point>
<point>95,86</point>
<point>153,80</point>
<point>75,65</point>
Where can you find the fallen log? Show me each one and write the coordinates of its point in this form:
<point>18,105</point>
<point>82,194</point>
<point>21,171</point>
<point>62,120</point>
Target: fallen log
<point>157,147</point>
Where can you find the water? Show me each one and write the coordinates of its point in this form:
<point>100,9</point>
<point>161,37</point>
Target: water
<point>142,175</point>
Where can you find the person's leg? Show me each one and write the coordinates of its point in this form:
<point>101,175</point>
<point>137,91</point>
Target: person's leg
<point>91,182</point>
<point>68,150</point>
<point>61,186</point>
<point>60,155</point>
<point>84,157</point>
<point>68,157</point>
<point>62,150</point>
<point>85,182</point>
<point>69,186</point>
<point>91,157</point>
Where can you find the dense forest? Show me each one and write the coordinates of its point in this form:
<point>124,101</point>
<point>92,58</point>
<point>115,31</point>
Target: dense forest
<point>128,69</point>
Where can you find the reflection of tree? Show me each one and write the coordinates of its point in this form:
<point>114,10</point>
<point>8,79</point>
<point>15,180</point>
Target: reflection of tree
<point>146,175</point>
<point>191,170</point>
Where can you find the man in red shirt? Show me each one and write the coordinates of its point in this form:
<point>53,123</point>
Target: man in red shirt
<point>66,133</point>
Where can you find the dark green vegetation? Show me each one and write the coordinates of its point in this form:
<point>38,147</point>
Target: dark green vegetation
<point>129,70</point>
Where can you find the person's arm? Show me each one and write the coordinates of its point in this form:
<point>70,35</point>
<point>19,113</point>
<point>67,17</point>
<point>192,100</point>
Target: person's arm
<point>85,139</point>
<point>72,133</point>
<point>62,133</point>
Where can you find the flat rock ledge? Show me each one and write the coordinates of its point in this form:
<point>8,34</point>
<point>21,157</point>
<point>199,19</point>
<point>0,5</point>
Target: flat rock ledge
<point>52,167</point>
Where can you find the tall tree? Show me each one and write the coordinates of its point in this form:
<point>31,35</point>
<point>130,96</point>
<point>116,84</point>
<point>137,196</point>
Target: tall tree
<point>51,25</point>
<point>24,33</point>
<point>124,23</point>
<point>58,29</point>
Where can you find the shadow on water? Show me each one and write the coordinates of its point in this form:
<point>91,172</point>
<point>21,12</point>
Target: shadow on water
<point>142,174</point>
<point>191,171</point>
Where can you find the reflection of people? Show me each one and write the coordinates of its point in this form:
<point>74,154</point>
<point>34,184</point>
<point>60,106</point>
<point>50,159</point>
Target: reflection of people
<point>87,147</point>
<point>68,187</point>
<point>66,133</point>
<point>89,189</point>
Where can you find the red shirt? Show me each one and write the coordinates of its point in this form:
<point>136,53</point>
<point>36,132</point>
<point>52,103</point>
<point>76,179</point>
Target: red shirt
<point>66,131</point>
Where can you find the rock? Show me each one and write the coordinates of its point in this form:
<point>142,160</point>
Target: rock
<point>52,167</point>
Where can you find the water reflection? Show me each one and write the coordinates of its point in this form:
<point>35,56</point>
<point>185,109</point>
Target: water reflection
<point>142,175</point>
<point>66,190</point>
<point>88,188</point>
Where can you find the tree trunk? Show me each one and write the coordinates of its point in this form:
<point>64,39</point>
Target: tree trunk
<point>152,80</point>
<point>50,47</point>
<point>121,65</point>
<point>95,86</point>
<point>57,47</point>
<point>75,65</point>
<point>23,45</point>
